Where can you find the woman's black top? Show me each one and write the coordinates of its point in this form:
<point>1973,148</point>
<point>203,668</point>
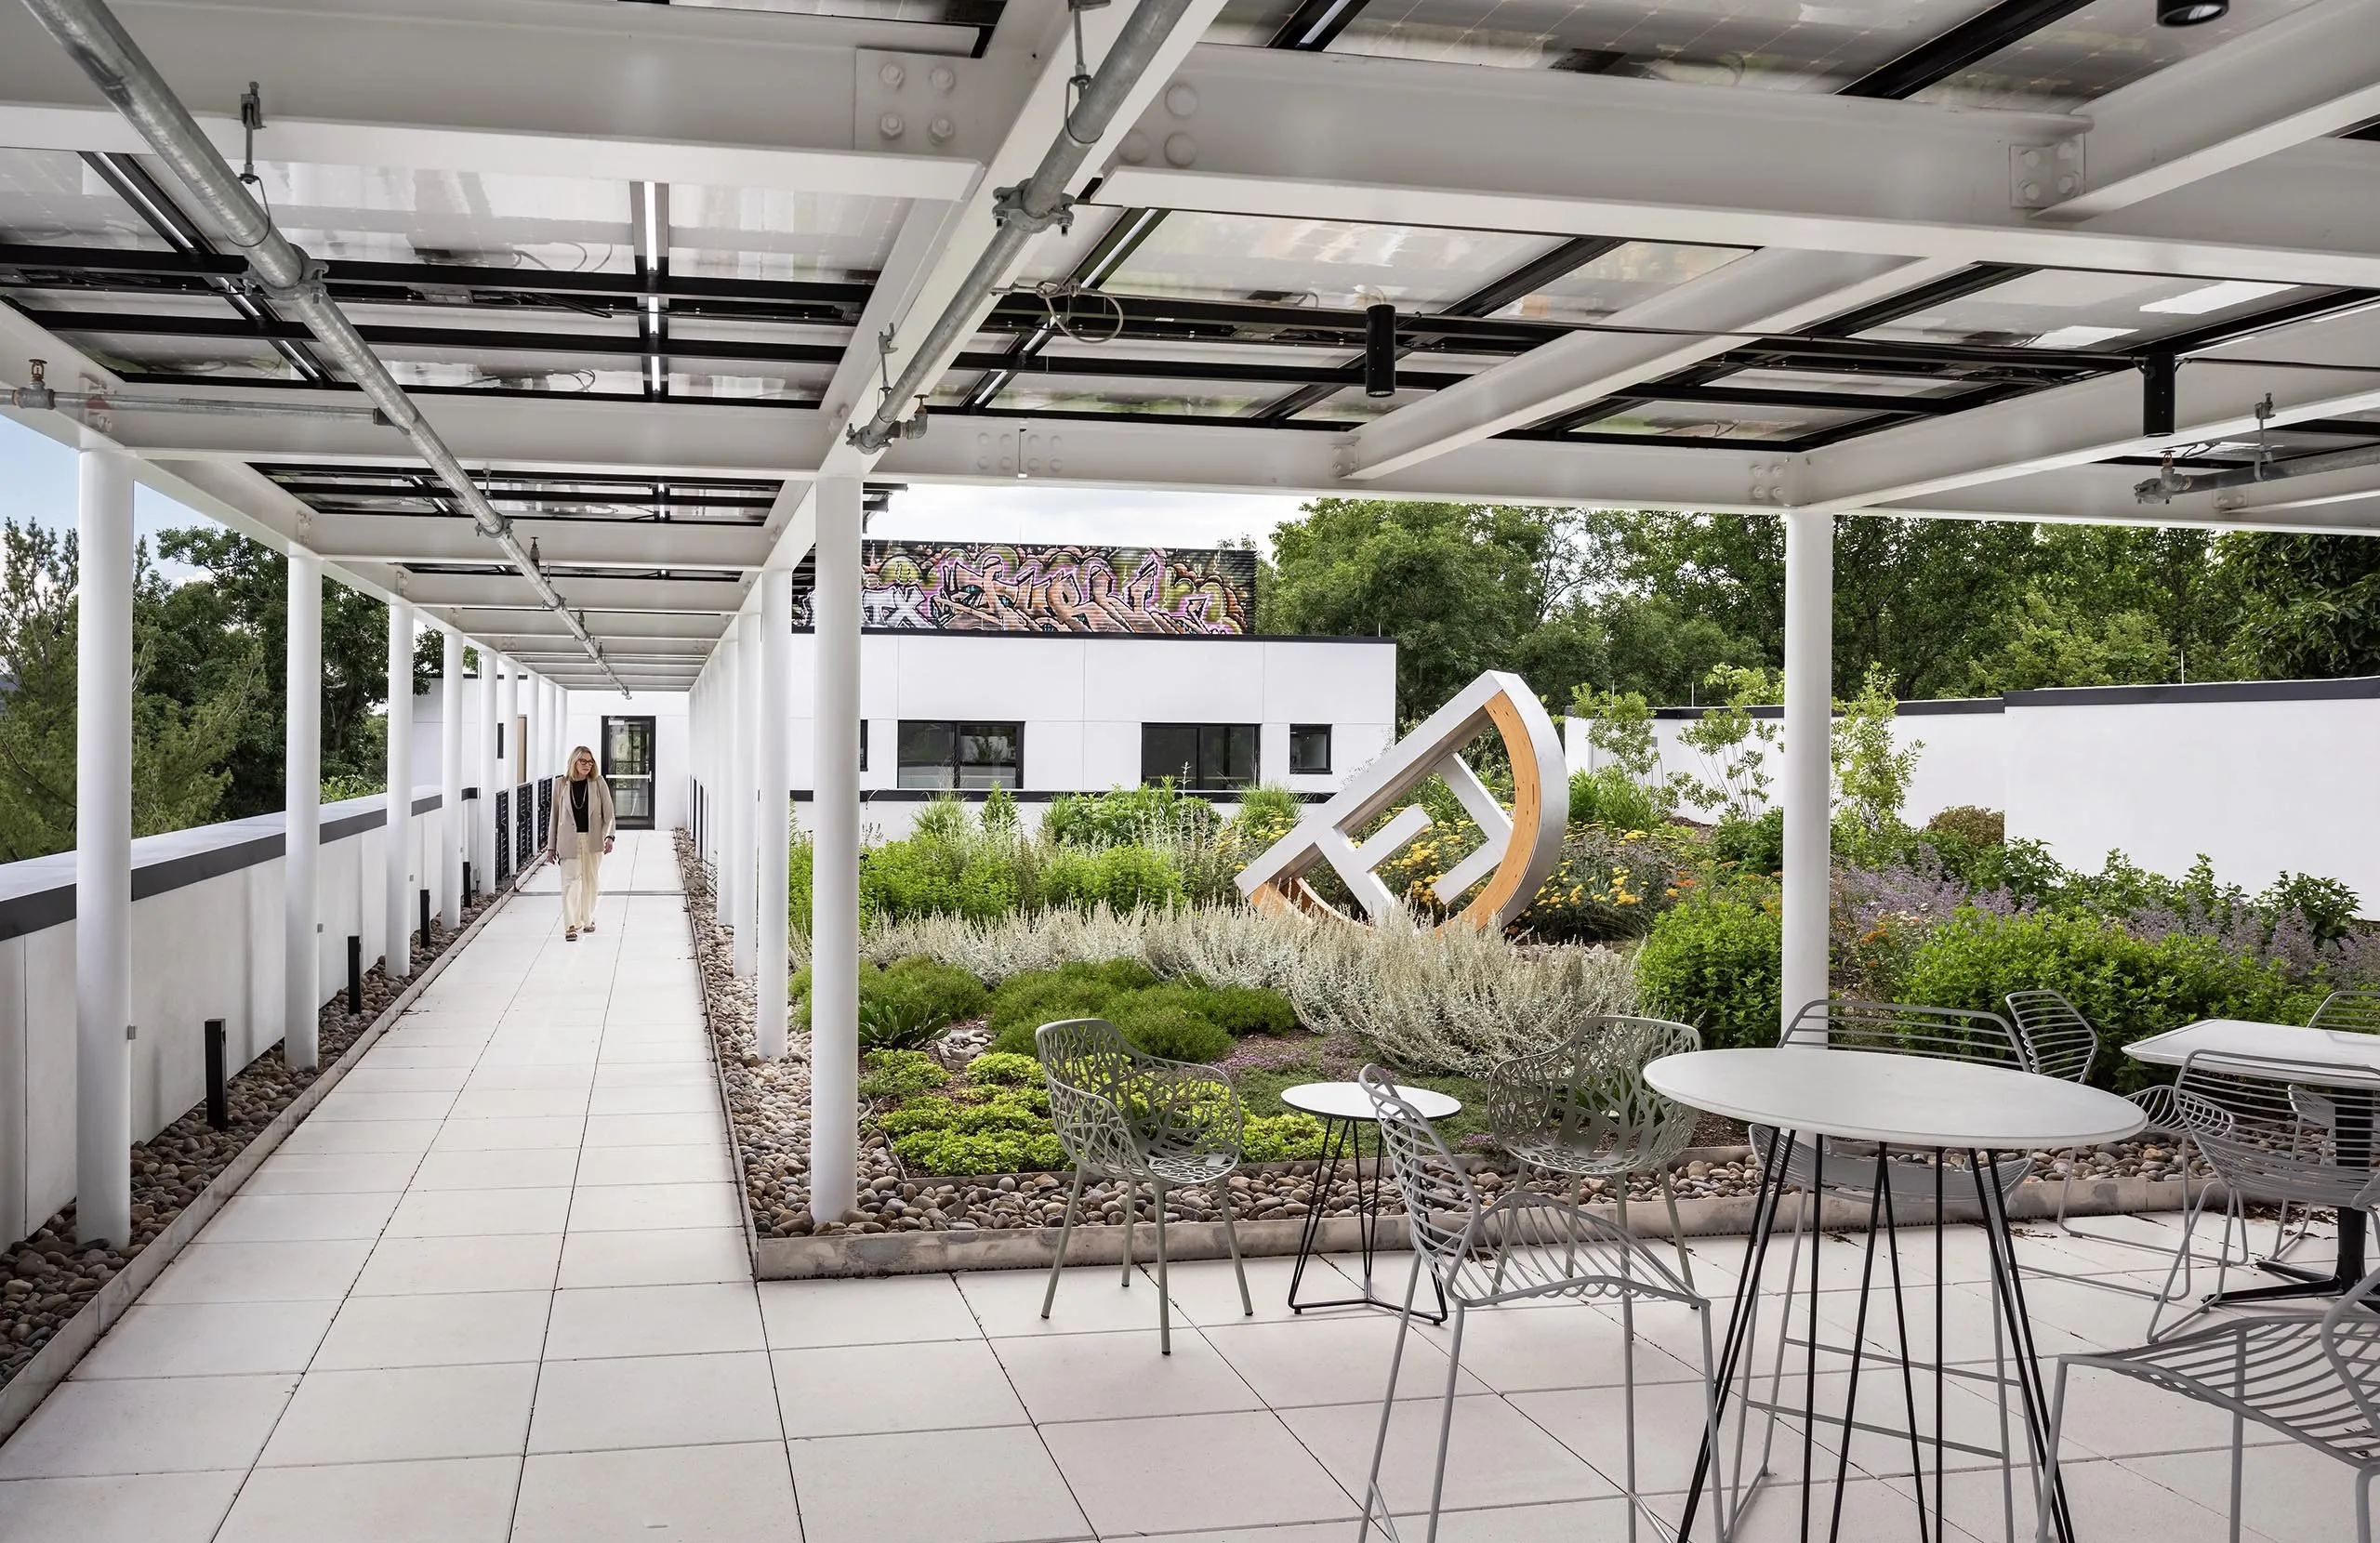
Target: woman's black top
<point>578,802</point>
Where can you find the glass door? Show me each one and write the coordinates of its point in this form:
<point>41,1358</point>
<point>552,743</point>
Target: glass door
<point>627,766</point>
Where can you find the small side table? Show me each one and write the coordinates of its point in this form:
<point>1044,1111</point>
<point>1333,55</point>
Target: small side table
<point>1344,1109</point>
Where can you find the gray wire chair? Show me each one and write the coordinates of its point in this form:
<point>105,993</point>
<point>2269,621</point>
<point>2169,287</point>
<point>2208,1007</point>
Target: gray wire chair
<point>2358,1011</point>
<point>1131,1117</point>
<point>2316,1382</point>
<point>1526,1247</point>
<point>2349,1011</point>
<point>1582,1107</point>
<point>2246,1113</point>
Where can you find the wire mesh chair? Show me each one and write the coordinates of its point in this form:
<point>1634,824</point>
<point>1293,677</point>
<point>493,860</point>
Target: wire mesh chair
<point>2246,1113</point>
<point>2315,1380</point>
<point>1526,1247</point>
<point>2357,1011</point>
<point>1136,1119</point>
<point>1582,1107</point>
<point>2346,1011</point>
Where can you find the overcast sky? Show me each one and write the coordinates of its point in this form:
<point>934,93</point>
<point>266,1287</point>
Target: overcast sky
<point>37,483</point>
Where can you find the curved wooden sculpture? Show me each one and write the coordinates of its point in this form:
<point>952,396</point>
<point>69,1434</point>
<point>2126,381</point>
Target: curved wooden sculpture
<point>1516,854</point>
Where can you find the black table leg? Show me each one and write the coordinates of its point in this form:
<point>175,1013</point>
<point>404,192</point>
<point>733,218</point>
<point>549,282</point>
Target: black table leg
<point>1740,1320</point>
<point>1339,1141</point>
<point>2008,1290</point>
<point>2354,1136</point>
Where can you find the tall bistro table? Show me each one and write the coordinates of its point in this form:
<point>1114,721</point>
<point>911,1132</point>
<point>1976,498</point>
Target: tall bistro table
<point>1344,1109</point>
<point>2252,1042</point>
<point>1908,1105</point>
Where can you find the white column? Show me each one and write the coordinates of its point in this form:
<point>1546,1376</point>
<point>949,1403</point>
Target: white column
<point>737,859</point>
<point>775,808</point>
<point>450,781</point>
<point>103,852</point>
<point>507,710</point>
<point>396,946</point>
<point>484,820</point>
<point>1809,728</point>
<point>302,823</point>
<point>834,868</point>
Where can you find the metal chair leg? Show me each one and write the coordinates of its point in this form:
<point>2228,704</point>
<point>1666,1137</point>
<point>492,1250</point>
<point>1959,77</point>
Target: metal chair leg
<point>2049,1475</point>
<point>1677,1232</point>
<point>1132,1207</point>
<point>1164,1303</point>
<point>1387,1407</point>
<point>1066,1230</point>
<point>1446,1424</point>
<point>1231,1236</point>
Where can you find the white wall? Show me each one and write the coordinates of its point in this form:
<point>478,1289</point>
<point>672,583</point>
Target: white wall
<point>208,949</point>
<point>1083,698</point>
<point>583,715</point>
<point>2259,777</point>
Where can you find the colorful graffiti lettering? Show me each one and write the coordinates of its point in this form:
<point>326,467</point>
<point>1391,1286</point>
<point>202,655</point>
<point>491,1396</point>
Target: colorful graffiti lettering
<point>999,587</point>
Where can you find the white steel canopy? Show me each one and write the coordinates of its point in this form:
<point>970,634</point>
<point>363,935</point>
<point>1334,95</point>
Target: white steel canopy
<point>634,264</point>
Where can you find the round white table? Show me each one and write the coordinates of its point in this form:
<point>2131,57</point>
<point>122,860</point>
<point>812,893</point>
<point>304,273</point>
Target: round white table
<point>1808,1094</point>
<point>1345,1109</point>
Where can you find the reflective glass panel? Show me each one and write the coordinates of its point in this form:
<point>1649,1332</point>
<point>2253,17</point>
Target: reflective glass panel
<point>1074,393</point>
<point>1719,421</point>
<point>2072,309</point>
<point>52,198</point>
<point>2105,45</point>
<point>1770,45</point>
<point>1637,271</point>
<point>776,233</point>
<point>1325,262</point>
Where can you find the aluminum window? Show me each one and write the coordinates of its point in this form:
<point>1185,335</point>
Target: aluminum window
<point>1310,749</point>
<point>961,756</point>
<point>1200,756</point>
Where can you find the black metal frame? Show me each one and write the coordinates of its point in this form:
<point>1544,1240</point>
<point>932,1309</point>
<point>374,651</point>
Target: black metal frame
<point>1342,1142</point>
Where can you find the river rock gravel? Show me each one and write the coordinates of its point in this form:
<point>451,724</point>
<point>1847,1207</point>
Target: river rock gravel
<point>45,1279</point>
<point>768,1105</point>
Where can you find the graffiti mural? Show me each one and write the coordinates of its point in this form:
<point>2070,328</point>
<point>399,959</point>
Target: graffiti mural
<point>944,586</point>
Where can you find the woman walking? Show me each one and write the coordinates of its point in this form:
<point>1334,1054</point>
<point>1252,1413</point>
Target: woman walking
<point>581,835</point>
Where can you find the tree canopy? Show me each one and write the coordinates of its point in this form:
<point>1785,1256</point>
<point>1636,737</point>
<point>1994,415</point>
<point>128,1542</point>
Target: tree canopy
<point>1653,602</point>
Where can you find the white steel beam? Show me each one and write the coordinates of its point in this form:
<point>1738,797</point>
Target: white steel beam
<point>501,625</point>
<point>2293,80</point>
<point>1397,141</point>
<point>562,542</point>
<point>1776,290</point>
<point>539,87</point>
<point>507,591</point>
<point>2095,420</point>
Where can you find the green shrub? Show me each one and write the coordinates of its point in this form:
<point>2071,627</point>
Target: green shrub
<point>2127,985</point>
<point>965,1154</point>
<point>1756,845</point>
<point>2328,907</point>
<point>1155,811</point>
<point>905,1004</point>
<point>1164,1026</point>
<point>1976,826</point>
<point>1246,1009</point>
<point>1072,876</point>
<point>1024,1002</point>
<point>1715,963</point>
<point>1610,797</point>
<point>1269,808</point>
<point>1132,876</point>
<point>945,818</point>
<point>900,1074</point>
<point>999,1070</point>
<point>1000,1112</point>
<point>1282,1139</point>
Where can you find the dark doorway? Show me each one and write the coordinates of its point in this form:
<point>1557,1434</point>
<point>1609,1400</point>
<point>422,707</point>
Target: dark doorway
<point>627,766</point>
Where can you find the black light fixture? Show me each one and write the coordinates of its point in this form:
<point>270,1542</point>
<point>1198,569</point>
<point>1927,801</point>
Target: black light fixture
<point>1380,349</point>
<point>2157,396</point>
<point>2189,13</point>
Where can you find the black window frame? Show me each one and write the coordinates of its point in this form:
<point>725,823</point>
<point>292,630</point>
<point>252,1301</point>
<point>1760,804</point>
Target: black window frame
<point>1309,730</point>
<point>954,759</point>
<point>1211,746</point>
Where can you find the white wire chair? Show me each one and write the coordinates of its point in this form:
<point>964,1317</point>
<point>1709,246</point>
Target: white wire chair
<point>1580,1107</point>
<point>2316,1380</point>
<point>2247,1114</point>
<point>1526,1247</point>
<point>1135,1118</point>
<point>2353,1011</point>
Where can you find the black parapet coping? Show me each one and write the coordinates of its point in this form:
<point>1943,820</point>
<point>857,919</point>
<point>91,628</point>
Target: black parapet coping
<point>40,894</point>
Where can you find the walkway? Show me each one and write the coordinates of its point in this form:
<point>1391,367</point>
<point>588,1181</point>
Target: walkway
<point>495,1289</point>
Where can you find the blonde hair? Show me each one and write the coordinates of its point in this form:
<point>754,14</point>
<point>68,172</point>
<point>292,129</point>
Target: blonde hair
<point>569,767</point>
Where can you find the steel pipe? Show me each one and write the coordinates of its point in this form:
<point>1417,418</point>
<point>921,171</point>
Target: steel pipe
<point>1026,211</point>
<point>97,41</point>
<point>2167,486</point>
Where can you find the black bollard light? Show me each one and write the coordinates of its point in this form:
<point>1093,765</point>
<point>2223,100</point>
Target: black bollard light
<point>425,921</point>
<point>219,1107</point>
<point>354,975</point>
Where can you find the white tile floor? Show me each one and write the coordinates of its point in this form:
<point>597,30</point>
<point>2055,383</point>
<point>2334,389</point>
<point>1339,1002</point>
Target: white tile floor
<point>496,1289</point>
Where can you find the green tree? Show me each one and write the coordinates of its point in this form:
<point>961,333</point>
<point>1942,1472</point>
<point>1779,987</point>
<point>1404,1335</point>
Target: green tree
<point>2312,605</point>
<point>37,708</point>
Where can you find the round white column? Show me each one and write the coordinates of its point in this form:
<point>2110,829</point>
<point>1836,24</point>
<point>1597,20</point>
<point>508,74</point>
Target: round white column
<point>738,860</point>
<point>484,819</point>
<point>302,824</point>
<point>1809,732</point>
<point>396,946</point>
<point>834,871</point>
<point>103,851</point>
<point>775,809</point>
<point>507,710</point>
<point>450,781</point>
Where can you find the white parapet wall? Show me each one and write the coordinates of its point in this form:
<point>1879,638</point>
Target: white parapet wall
<point>2260,776</point>
<point>206,942</point>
